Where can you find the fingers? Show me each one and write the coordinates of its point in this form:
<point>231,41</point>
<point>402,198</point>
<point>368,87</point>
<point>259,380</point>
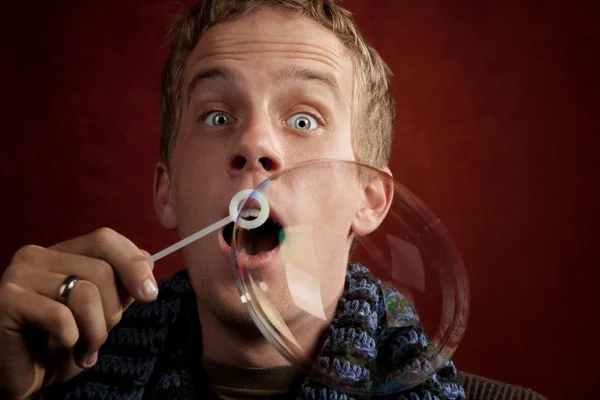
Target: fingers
<point>128,261</point>
<point>84,302</point>
<point>44,271</point>
<point>86,305</point>
<point>20,307</point>
<point>21,312</point>
<point>110,269</point>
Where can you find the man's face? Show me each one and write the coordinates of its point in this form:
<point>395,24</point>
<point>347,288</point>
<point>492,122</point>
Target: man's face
<point>261,93</point>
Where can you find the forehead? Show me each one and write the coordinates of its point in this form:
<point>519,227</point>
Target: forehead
<point>272,39</point>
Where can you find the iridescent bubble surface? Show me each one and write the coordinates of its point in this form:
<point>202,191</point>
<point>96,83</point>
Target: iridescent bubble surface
<point>346,243</point>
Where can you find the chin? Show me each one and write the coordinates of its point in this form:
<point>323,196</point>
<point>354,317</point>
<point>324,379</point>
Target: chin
<point>226,310</point>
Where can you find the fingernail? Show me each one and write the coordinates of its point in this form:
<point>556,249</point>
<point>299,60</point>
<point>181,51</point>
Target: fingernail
<point>149,288</point>
<point>91,360</point>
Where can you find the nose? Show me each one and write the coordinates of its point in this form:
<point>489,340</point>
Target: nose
<point>255,152</point>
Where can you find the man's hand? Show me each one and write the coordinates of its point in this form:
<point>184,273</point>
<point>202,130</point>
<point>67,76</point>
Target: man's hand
<point>43,341</point>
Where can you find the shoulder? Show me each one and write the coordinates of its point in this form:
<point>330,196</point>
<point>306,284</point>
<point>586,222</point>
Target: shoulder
<point>480,388</point>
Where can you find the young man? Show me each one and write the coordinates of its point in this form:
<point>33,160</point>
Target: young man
<point>251,88</point>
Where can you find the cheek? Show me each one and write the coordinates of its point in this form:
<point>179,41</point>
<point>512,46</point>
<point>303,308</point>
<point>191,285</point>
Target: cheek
<point>194,157</point>
<point>341,142</point>
<point>198,184</point>
<point>335,144</point>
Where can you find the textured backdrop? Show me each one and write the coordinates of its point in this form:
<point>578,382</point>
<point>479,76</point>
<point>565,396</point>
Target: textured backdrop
<point>497,132</point>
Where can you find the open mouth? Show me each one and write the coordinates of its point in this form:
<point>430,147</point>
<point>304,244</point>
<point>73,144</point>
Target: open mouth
<point>254,241</point>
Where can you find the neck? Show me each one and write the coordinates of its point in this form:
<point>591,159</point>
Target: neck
<point>247,347</point>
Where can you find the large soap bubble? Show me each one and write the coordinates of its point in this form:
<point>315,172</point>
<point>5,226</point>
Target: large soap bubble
<point>346,245</point>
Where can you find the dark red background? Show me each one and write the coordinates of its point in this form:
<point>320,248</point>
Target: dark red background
<point>497,132</point>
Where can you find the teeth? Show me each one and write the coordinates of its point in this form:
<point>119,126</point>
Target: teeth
<point>250,213</point>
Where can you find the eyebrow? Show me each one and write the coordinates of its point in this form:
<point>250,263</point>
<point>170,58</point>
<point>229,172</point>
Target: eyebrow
<point>211,73</point>
<point>295,73</point>
<point>305,74</point>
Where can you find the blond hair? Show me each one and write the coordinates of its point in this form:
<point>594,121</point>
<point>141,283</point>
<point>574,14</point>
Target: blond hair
<point>373,105</point>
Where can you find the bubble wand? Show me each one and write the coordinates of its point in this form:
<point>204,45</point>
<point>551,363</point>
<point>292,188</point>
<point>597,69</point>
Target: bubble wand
<point>235,204</point>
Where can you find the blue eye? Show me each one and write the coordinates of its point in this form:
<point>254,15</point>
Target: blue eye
<point>303,122</point>
<point>217,118</point>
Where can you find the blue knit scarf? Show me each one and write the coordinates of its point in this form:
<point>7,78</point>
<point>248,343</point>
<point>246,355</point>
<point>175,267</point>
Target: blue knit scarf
<point>147,355</point>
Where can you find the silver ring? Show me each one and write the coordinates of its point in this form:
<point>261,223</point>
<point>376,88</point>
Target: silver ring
<point>66,288</point>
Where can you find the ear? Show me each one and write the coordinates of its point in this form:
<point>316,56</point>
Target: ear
<point>163,203</point>
<point>378,194</point>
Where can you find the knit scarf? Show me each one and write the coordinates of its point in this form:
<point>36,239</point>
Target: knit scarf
<point>147,355</point>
